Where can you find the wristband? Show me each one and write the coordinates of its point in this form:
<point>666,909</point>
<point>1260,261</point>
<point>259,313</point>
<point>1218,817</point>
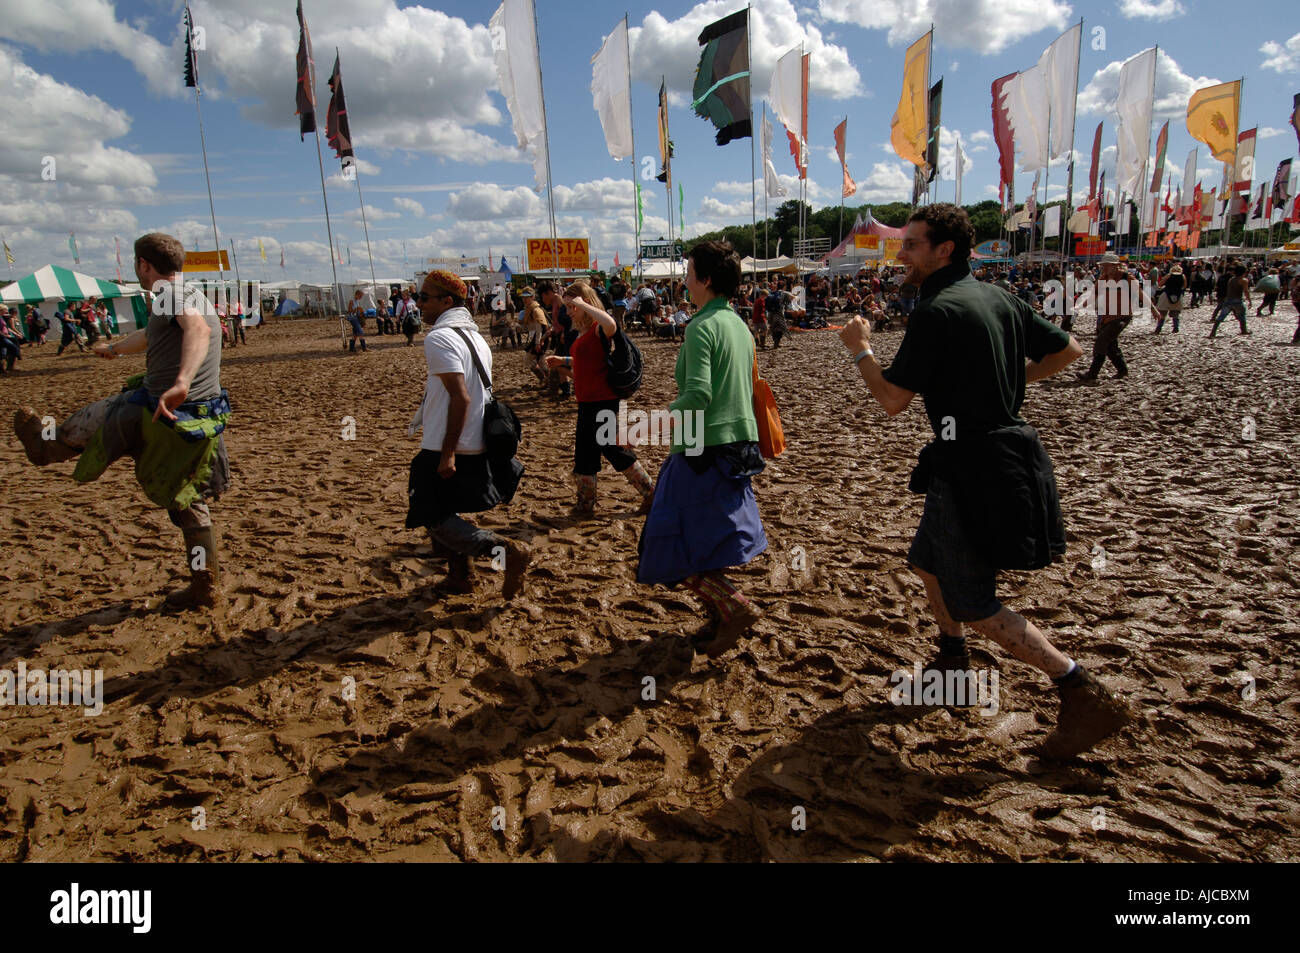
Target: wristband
<point>857,358</point>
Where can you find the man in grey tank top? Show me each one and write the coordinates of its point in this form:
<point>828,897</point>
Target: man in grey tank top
<point>181,386</point>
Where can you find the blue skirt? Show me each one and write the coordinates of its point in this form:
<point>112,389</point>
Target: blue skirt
<point>699,522</point>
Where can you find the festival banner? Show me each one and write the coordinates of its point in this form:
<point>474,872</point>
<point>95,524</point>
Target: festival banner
<point>721,90</point>
<point>513,34</point>
<point>1003,136</point>
<point>207,261</point>
<point>611,92</point>
<point>849,185</point>
<point>1137,78</point>
<point>1244,168</point>
<point>871,242</point>
<point>573,254</point>
<point>1212,118</point>
<point>306,94</point>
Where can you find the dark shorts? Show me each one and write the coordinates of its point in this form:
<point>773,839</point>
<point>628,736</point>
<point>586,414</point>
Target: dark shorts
<point>942,548</point>
<point>587,449</point>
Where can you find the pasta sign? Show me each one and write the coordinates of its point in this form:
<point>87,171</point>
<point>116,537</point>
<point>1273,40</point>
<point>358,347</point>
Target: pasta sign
<point>573,254</point>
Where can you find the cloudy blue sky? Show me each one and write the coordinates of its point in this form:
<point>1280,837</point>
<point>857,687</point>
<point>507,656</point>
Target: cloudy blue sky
<point>98,87</point>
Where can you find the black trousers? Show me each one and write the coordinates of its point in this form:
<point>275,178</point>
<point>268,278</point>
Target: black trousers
<point>1106,345</point>
<point>587,449</point>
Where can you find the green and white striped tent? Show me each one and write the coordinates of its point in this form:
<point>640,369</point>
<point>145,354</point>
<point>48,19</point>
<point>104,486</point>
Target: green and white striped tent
<point>53,284</point>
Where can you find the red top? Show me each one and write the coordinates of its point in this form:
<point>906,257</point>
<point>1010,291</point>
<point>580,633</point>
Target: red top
<point>590,382</point>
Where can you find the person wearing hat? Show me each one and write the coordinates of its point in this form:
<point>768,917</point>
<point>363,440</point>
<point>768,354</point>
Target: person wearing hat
<point>1170,301</point>
<point>452,473</point>
<point>1115,301</point>
<point>535,328</point>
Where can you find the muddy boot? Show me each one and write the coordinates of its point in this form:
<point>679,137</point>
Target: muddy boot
<point>518,557</point>
<point>642,483</point>
<point>1089,713</point>
<point>30,432</point>
<point>953,665</point>
<point>460,575</point>
<point>204,590</point>
<point>729,632</point>
<point>585,508</point>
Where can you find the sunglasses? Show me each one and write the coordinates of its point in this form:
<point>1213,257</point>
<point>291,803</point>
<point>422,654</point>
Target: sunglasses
<point>425,296</point>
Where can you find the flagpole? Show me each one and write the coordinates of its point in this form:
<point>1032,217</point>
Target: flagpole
<point>1232,181</point>
<point>546,140</point>
<point>636,224</point>
<point>329,229</point>
<point>668,190</point>
<point>216,242</point>
<point>846,149</point>
<point>1074,125</point>
<point>753,169</point>
<point>767,251</point>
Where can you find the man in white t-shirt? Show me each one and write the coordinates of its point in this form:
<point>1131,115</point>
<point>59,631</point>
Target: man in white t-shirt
<point>451,474</point>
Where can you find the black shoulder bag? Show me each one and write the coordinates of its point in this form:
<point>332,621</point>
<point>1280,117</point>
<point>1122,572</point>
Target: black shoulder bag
<point>501,428</point>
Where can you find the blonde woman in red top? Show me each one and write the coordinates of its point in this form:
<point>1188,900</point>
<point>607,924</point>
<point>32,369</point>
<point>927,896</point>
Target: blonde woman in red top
<point>586,361</point>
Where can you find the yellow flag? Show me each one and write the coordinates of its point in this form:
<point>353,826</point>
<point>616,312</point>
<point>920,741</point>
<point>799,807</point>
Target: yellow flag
<point>1212,118</point>
<point>909,130</point>
<point>261,249</point>
<point>9,256</point>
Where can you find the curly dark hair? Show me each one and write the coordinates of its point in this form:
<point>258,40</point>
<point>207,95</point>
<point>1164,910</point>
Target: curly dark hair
<point>945,222</point>
<point>718,264</point>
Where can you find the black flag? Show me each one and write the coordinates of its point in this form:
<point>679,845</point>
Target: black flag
<point>191,61</point>
<point>336,118</point>
<point>306,80</point>
<point>932,149</point>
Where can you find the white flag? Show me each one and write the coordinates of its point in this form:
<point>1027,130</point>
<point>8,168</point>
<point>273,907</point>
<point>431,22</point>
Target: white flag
<point>1216,218</point>
<point>785,96</point>
<point>1060,64</point>
<point>1137,79</point>
<point>611,92</point>
<point>1025,99</point>
<point>1052,222</point>
<point>1080,222</point>
<point>771,181</point>
<point>1189,176</point>
<point>959,167</point>
<point>514,47</point>
<point>1147,220</point>
<point>1125,213</point>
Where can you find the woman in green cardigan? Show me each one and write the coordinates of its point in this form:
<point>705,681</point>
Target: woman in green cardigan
<point>704,517</point>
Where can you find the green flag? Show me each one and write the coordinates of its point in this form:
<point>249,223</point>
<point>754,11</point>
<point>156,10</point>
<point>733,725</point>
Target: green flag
<point>640,208</point>
<point>721,91</point>
<point>681,213</point>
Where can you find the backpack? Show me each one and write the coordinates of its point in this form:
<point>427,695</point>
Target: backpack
<point>622,363</point>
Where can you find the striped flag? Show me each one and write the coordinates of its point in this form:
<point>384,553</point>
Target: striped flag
<point>191,61</point>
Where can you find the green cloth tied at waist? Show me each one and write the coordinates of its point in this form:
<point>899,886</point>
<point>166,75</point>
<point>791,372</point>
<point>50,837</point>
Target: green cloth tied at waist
<point>174,460</point>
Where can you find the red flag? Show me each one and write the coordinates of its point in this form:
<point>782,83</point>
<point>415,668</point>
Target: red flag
<point>849,185</point>
<point>1295,117</point>
<point>1294,217</point>
<point>1161,144</point>
<point>306,80</point>
<point>1096,161</point>
<point>616,264</point>
<point>1002,132</point>
<point>337,130</point>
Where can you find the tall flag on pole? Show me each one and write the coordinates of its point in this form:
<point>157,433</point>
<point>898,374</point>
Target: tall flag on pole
<point>72,246</point>
<point>849,185</point>
<point>1212,118</point>
<point>261,249</point>
<point>771,181</point>
<point>789,98</point>
<point>1189,178</point>
<point>1295,117</point>
<point>909,129</point>
<point>337,130</point>
<point>191,60</point>
<point>1027,104</point>
<point>1162,145</point>
<point>1002,135</point>
<point>9,256</point>
<point>932,143</point>
<point>1244,167</point>
<point>1096,165</point>
<point>721,90</point>
<point>1060,63</point>
<point>513,32</point>
<point>681,210</point>
<point>640,207</point>
<point>282,255</point>
<point>1282,184</point>
<point>611,92</point>
<point>665,144</point>
<point>1137,79</point>
<point>306,80</point>
<point>117,247</point>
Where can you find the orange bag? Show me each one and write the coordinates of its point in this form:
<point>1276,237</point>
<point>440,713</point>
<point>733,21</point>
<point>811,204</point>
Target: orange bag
<point>771,436</point>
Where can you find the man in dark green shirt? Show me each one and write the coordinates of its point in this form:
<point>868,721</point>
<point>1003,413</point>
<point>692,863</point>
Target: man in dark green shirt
<point>991,503</point>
